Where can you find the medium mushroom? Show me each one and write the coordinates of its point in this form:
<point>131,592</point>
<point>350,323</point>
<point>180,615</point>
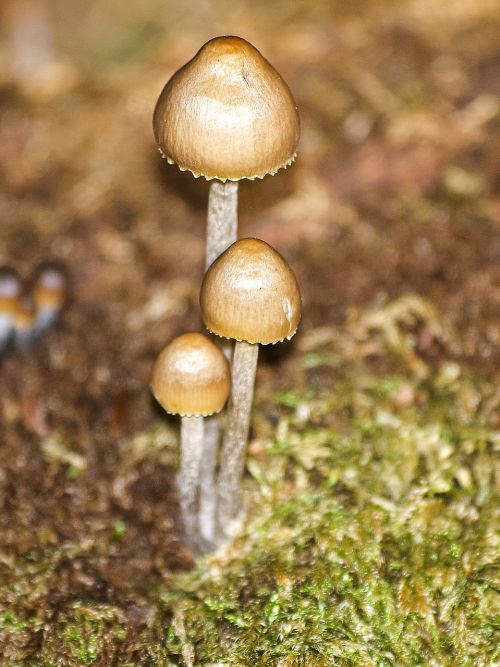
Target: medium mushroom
<point>191,378</point>
<point>10,293</point>
<point>250,294</point>
<point>226,115</point>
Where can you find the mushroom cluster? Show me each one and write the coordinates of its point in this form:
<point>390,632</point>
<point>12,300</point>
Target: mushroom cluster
<point>27,312</point>
<point>225,115</point>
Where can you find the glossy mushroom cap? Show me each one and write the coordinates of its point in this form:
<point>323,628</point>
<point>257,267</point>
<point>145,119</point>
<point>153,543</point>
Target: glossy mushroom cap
<point>250,293</point>
<point>191,376</point>
<point>227,114</point>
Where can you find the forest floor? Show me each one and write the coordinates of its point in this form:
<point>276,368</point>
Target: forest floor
<point>370,485</point>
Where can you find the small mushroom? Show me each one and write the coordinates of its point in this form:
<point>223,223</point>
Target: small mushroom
<point>250,294</point>
<point>191,378</point>
<point>226,115</point>
<point>49,295</point>
<point>10,293</point>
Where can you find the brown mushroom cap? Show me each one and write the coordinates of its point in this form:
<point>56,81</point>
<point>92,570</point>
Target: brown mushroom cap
<point>227,114</point>
<point>250,293</point>
<point>191,376</point>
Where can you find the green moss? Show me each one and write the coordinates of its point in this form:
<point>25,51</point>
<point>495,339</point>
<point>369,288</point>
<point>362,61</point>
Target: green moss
<point>372,541</point>
<point>85,636</point>
<point>370,537</point>
<point>81,641</point>
<point>10,623</point>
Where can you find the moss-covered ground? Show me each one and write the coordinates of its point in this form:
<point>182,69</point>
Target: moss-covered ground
<point>374,542</point>
<point>371,539</point>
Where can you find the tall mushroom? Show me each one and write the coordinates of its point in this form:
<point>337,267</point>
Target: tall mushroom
<point>191,378</point>
<point>226,115</point>
<point>250,294</point>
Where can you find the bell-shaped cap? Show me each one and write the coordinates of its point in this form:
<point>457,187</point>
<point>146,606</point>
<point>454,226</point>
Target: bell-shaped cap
<point>250,293</point>
<point>227,114</point>
<point>191,376</point>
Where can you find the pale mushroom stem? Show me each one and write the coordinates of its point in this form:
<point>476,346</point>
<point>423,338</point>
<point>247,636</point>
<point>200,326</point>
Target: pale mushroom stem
<point>222,218</point>
<point>222,231</point>
<point>191,456</point>
<point>235,438</point>
<point>207,478</point>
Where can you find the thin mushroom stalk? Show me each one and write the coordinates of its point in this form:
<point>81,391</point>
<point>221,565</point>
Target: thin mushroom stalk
<point>222,218</point>
<point>189,473</point>
<point>236,434</point>
<point>208,494</point>
<point>222,231</point>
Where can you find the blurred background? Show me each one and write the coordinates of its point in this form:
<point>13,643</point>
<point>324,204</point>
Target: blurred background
<point>392,207</point>
<point>393,190</point>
